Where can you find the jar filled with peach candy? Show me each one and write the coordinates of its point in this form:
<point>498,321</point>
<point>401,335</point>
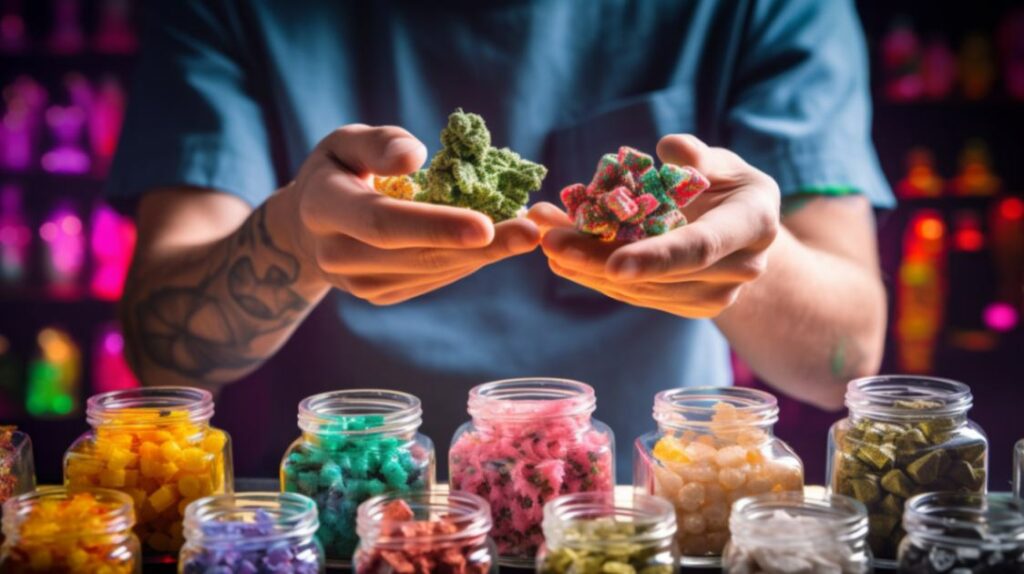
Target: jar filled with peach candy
<point>713,446</point>
<point>157,446</point>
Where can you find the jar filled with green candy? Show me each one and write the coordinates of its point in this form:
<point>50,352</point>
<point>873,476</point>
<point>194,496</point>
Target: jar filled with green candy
<point>593,533</point>
<point>356,444</point>
<point>905,435</point>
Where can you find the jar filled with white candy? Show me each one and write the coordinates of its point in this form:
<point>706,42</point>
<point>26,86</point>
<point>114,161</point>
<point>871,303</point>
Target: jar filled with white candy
<point>790,533</point>
<point>713,446</point>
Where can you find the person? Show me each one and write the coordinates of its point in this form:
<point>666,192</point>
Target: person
<point>255,127</point>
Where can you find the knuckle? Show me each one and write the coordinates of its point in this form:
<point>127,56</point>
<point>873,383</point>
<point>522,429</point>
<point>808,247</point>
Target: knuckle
<point>753,267</point>
<point>705,249</point>
<point>430,259</point>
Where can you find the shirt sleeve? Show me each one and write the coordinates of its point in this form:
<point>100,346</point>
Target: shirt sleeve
<point>800,109</point>
<point>192,118</point>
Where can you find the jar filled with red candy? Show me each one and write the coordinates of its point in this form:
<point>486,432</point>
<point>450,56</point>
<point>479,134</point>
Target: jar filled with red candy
<point>17,467</point>
<point>713,446</point>
<point>529,441</point>
<point>428,532</point>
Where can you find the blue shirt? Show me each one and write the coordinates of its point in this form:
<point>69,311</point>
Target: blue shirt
<point>233,94</point>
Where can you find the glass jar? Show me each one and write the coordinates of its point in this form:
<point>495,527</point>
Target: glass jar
<point>17,467</point>
<point>62,530</point>
<point>592,532</point>
<point>529,441</point>
<point>425,533</point>
<point>713,446</point>
<point>156,445</point>
<point>786,532</point>
<point>1018,470</point>
<point>904,435</point>
<point>355,444</point>
<point>959,532</point>
<point>251,532</point>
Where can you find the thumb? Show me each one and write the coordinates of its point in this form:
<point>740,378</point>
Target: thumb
<point>382,150</point>
<point>686,149</point>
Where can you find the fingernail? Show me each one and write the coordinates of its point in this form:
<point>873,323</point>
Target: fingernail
<point>628,269</point>
<point>400,147</point>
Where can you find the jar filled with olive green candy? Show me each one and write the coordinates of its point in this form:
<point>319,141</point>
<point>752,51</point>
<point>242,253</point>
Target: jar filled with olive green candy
<point>592,533</point>
<point>904,435</point>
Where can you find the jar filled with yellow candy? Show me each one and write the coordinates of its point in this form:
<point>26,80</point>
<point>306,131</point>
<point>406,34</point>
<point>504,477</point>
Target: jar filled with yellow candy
<point>61,530</point>
<point>157,446</point>
<point>713,446</point>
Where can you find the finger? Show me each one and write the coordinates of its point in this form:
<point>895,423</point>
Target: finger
<point>740,267</point>
<point>381,150</point>
<point>686,149</point>
<point>575,250</point>
<point>343,255</point>
<point>731,226</point>
<point>695,299</point>
<point>592,282</point>
<point>547,215</point>
<point>341,203</point>
<point>400,295</point>
<point>369,287</point>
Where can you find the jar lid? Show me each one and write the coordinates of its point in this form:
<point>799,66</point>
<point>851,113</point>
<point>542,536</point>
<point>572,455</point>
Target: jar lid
<point>989,521</point>
<point>718,407</point>
<point>900,397</point>
<point>355,412</point>
<point>531,398</point>
<point>149,405</point>
<point>250,518</point>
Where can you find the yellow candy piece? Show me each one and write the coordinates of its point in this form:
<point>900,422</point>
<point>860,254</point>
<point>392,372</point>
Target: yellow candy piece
<point>398,187</point>
<point>112,478</point>
<point>214,442</point>
<point>163,498</point>
<point>170,451</point>
<point>189,486</point>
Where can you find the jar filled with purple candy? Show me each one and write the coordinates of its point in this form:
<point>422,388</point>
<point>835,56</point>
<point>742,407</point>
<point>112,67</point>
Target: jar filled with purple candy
<point>251,533</point>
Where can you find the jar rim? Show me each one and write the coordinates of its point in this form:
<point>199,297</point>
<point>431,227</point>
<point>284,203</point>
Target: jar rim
<point>531,397</point>
<point>294,515</point>
<point>901,397</point>
<point>376,410</point>
<point>119,517</point>
<point>994,520</point>
<point>846,517</point>
<point>690,407</point>
<point>471,514</point>
<point>171,403</point>
<point>654,514</point>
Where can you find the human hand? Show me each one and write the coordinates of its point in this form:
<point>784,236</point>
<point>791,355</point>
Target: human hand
<point>694,271</point>
<point>385,250</point>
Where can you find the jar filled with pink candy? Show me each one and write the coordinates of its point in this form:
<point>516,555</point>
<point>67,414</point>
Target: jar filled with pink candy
<point>713,446</point>
<point>530,440</point>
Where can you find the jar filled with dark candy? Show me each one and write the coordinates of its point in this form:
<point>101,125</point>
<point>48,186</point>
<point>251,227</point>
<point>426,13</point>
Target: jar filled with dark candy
<point>904,436</point>
<point>252,532</point>
<point>356,444</point>
<point>962,533</point>
<point>425,533</point>
<point>592,533</point>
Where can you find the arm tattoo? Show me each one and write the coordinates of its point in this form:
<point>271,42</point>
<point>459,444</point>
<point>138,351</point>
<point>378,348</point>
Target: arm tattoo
<point>212,325</point>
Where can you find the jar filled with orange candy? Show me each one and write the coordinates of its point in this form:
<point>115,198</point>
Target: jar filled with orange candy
<point>156,445</point>
<point>61,530</point>
<point>713,446</point>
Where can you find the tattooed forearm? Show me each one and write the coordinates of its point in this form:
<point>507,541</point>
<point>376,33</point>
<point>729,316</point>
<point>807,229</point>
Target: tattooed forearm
<point>212,325</point>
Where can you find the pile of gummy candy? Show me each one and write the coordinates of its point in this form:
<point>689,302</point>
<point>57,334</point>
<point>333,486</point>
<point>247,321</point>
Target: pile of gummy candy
<point>628,199</point>
<point>519,465</point>
<point>411,546</point>
<point>247,551</point>
<point>341,470</point>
